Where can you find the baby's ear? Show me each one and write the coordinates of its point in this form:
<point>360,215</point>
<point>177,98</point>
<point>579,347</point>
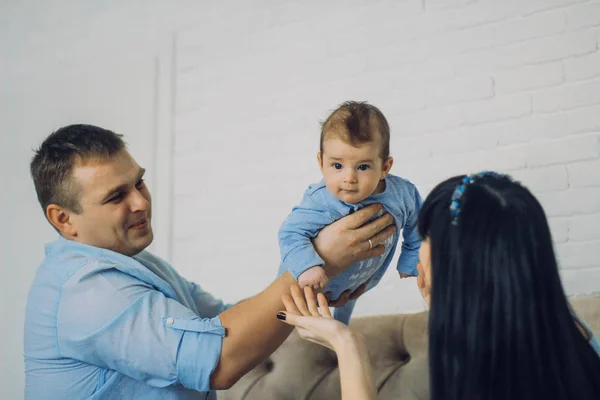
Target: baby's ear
<point>387,166</point>
<point>320,159</point>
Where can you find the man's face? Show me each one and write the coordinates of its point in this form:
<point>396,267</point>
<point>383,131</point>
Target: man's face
<point>115,205</point>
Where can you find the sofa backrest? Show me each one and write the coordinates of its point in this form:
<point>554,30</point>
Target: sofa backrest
<point>397,346</point>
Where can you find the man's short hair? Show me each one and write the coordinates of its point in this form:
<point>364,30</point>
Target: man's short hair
<point>52,165</point>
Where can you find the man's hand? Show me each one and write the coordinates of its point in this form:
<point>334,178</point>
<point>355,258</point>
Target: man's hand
<point>403,275</point>
<point>345,296</point>
<point>349,240</point>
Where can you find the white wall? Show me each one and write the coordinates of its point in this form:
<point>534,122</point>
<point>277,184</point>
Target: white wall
<point>466,85</point>
<point>64,62</point>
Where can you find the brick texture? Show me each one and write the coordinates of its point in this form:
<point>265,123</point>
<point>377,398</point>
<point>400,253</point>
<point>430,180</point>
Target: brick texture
<point>466,85</point>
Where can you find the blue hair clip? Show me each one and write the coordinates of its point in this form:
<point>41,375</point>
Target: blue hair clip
<point>455,202</point>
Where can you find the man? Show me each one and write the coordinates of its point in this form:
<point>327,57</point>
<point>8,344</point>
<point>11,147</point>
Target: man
<point>107,319</point>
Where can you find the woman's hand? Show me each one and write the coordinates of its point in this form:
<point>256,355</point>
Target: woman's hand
<point>314,322</point>
<point>312,318</point>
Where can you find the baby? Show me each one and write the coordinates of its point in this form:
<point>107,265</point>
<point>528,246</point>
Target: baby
<point>355,162</point>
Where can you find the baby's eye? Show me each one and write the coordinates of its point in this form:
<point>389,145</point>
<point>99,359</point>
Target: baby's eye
<point>363,167</point>
<point>337,165</point>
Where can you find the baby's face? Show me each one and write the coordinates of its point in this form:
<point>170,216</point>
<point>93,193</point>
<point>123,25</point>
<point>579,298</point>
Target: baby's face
<point>352,173</point>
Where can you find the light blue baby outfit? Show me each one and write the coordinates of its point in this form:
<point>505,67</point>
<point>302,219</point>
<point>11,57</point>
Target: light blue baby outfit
<point>320,208</point>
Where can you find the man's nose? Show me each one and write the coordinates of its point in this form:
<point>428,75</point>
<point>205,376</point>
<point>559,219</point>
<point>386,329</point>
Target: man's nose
<point>139,202</point>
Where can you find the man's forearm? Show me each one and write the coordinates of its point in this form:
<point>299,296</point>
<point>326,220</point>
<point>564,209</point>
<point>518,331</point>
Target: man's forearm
<point>252,332</point>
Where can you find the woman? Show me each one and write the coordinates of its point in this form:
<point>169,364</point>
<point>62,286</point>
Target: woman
<point>500,326</point>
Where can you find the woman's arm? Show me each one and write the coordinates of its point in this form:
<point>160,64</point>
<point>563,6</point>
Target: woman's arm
<point>355,370</point>
<point>317,325</point>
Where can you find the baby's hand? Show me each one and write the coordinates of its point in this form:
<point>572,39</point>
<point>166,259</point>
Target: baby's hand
<point>403,275</point>
<point>315,277</point>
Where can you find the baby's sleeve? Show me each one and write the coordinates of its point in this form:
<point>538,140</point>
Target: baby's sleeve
<point>295,234</point>
<point>411,243</point>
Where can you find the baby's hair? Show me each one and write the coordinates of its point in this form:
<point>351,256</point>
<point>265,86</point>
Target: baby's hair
<point>357,122</point>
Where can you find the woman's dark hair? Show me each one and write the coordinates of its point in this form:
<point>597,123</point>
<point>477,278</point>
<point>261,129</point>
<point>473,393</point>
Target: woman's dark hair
<point>500,326</point>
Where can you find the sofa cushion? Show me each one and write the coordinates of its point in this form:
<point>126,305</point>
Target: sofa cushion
<point>397,346</point>
<point>300,369</point>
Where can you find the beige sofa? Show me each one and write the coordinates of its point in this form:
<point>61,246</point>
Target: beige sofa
<point>397,347</point>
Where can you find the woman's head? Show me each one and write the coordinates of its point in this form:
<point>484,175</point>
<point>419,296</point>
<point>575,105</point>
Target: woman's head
<point>487,229</point>
<point>498,310</point>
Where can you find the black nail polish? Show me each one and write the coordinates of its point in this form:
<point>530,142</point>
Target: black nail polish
<point>281,316</point>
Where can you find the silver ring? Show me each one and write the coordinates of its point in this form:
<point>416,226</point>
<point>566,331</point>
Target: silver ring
<point>370,244</point>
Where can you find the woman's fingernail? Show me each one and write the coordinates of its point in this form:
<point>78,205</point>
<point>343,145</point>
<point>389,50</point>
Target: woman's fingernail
<point>281,316</point>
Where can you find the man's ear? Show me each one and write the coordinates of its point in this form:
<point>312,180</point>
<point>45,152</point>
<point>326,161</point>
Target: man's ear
<point>387,165</point>
<point>60,218</point>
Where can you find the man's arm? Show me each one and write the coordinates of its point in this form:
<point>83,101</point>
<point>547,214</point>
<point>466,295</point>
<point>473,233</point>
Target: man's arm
<point>252,330</point>
<point>136,330</point>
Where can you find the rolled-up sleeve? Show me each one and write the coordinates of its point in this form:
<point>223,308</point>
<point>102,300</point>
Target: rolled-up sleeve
<point>113,320</point>
<point>191,372</point>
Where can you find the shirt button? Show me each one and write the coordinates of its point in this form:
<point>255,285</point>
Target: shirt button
<point>170,321</point>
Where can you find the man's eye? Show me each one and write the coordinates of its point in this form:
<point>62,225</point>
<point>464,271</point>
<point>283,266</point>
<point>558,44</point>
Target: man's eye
<point>337,165</point>
<point>363,167</point>
<point>140,184</point>
<point>116,198</point>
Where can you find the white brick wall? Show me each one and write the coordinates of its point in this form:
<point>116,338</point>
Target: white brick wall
<point>465,84</point>
<point>584,227</point>
<point>581,174</point>
<point>567,98</point>
<point>63,62</point>
<point>584,16</point>
<point>528,77</point>
<point>584,67</point>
